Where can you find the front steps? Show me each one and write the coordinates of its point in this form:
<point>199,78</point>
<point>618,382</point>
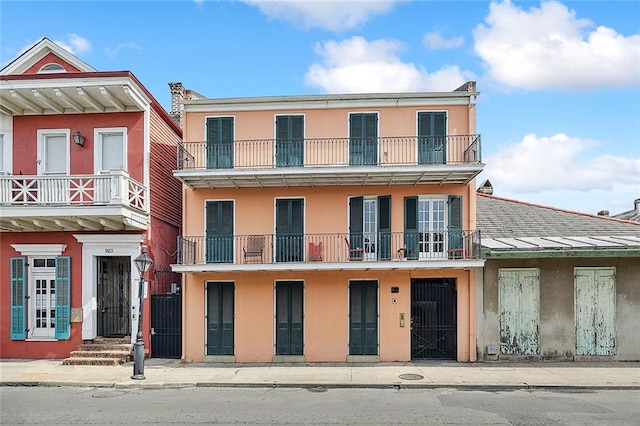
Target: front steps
<point>101,351</point>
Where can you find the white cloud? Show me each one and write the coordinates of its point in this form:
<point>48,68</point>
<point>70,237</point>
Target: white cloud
<point>112,52</point>
<point>435,41</point>
<point>558,163</point>
<point>358,65</point>
<point>549,47</point>
<point>330,15</point>
<point>74,44</point>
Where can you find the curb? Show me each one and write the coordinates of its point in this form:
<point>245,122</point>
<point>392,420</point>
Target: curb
<point>488,387</point>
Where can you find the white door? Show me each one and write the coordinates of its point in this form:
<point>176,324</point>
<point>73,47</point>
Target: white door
<point>519,301</point>
<point>53,167</point>
<point>431,227</point>
<point>42,303</point>
<point>370,228</point>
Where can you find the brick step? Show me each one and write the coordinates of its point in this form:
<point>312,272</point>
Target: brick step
<point>126,355</point>
<point>105,347</point>
<point>110,340</point>
<point>91,361</point>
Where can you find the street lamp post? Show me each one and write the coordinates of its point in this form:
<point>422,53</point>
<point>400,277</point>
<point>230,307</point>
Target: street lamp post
<point>143,264</point>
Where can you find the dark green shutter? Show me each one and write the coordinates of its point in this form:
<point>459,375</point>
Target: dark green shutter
<point>432,138</point>
<point>384,227</point>
<point>219,142</point>
<point>363,318</point>
<point>289,140</point>
<point>363,139</point>
<point>220,318</point>
<point>219,222</point>
<point>18,298</point>
<point>356,232</point>
<point>411,236</point>
<point>289,318</point>
<point>63,297</point>
<point>289,230</point>
<point>455,221</point>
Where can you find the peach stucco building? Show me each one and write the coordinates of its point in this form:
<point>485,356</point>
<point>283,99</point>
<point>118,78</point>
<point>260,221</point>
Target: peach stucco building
<point>328,228</point>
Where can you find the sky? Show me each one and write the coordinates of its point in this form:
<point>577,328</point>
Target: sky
<point>559,109</point>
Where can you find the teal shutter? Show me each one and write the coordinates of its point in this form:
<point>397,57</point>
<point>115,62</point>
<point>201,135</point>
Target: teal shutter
<point>356,232</point>
<point>363,318</point>
<point>18,298</point>
<point>411,235</point>
<point>219,221</point>
<point>289,318</point>
<point>63,297</point>
<point>432,138</point>
<point>289,140</point>
<point>289,230</point>
<point>220,318</point>
<point>455,221</point>
<point>384,227</point>
<point>363,139</point>
<point>220,142</point>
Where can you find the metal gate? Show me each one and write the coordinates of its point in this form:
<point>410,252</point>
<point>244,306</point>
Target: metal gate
<point>166,326</point>
<point>113,296</point>
<point>433,319</point>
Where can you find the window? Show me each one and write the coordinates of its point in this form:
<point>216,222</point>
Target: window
<point>289,318</point>
<point>432,140</point>
<point>40,293</point>
<point>363,139</point>
<point>290,230</point>
<point>220,307</point>
<point>53,150</point>
<point>220,142</point>
<point>3,168</point>
<point>110,149</point>
<point>289,140</point>
<point>432,226</point>
<point>370,227</point>
<point>51,68</point>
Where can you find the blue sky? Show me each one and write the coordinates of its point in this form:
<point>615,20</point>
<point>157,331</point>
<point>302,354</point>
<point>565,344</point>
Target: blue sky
<point>559,110</point>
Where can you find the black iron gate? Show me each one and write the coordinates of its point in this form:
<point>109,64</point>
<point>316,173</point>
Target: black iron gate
<point>166,325</point>
<point>433,319</point>
<point>113,296</point>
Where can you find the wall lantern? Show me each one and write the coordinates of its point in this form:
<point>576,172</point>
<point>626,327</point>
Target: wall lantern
<point>78,139</point>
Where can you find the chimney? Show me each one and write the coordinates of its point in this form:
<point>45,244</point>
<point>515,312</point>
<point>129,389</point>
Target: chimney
<point>177,97</point>
<point>603,213</point>
<point>636,204</point>
<point>486,188</point>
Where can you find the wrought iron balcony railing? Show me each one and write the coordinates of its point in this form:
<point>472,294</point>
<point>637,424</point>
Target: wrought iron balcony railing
<point>329,248</point>
<point>330,152</point>
<point>115,187</point>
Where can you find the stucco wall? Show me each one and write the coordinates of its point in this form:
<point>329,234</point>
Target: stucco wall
<point>326,310</point>
<point>557,321</point>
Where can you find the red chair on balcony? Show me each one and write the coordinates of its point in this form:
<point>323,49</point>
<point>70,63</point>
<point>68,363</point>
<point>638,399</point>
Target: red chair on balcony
<point>315,252</point>
<point>354,253</point>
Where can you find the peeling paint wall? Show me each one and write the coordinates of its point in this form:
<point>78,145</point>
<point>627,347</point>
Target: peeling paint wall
<point>557,326</point>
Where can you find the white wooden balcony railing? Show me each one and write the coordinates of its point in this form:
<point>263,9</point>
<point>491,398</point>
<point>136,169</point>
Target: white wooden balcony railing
<point>113,188</point>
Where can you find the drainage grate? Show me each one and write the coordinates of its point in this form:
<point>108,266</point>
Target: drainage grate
<point>411,377</point>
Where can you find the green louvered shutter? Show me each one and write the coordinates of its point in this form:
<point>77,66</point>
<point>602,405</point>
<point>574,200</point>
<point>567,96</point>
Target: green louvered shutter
<point>432,137</point>
<point>220,143</point>
<point>455,222</point>
<point>356,235</point>
<point>411,236</point>
<point>363,139</point>
<point>63,297</point>
<point>289,140</point>
<point>384,227</point>
<point>18,299</point>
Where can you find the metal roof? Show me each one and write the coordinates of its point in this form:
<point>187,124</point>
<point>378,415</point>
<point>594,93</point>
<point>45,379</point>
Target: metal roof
<point>510,225</point>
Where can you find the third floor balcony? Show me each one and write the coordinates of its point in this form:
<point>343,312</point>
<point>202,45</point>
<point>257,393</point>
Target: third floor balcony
<point>407,160</point>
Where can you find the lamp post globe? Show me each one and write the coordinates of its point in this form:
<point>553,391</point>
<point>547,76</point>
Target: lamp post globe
<point>143,263</point>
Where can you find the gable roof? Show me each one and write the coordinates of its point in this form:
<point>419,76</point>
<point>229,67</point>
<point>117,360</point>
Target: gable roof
<point>37,52</point>
<point>514,226</point>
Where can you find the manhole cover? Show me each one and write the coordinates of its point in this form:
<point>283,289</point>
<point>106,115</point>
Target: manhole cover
<point>411,377</point>
<point>109,394</point>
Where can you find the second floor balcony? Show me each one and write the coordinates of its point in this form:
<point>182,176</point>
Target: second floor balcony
<point>106,202</point>
<point>405,160</point>
<point>380,250</point>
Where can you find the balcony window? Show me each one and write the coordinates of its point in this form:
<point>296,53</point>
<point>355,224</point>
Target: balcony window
<point>219,142</point>
<point>110,149</point>
<point>53,150</point>
<point>363,139</point>
<point>289,140</point>
<point>432,141</point>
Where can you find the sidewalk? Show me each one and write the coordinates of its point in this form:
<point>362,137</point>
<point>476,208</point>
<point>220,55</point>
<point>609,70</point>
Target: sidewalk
<point>163,373</point>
